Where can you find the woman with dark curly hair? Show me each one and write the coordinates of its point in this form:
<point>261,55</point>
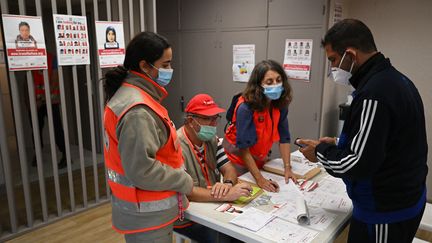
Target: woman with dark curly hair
<point>260,119</point>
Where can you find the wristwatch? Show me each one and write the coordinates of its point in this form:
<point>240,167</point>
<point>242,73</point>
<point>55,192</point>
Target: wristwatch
<point>229,181</point>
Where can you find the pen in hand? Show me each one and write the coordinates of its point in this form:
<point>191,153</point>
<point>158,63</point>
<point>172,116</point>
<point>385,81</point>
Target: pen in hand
<point>274,184</point>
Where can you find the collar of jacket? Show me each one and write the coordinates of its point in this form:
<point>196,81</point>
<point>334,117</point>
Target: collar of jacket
<point>145,83</point>
<point>373,65</point>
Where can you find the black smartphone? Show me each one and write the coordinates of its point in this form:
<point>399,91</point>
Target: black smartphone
<point>298,144</point>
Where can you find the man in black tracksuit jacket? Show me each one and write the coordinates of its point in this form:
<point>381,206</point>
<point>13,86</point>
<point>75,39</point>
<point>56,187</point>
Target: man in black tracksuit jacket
<point>381,154</point>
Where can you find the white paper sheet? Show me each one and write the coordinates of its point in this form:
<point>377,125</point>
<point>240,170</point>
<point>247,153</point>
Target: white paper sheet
<point>297,156</point>
<point>249,178</point>
<point>340,203</point>
<point>332,185</point>
<point>287,193</point>
<point>298,58</point>
<point>24,54</point>
<point>320,219</point>
<point>243,62</point>
<point>283,231</point>
<point>111,52</point>
<point>252,219</point>
<point>296,212</point>
<point>72,40</point>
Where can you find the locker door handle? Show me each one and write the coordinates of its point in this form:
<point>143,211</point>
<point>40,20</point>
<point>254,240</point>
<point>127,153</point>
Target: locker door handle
<point>182,103</point>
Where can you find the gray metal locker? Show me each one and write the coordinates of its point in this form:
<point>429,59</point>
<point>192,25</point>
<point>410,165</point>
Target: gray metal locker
<point>305,110</point>
<point>296,12</point>
<point>167,16</point>
<point>243,13</point>
<point>200,64</point>
<point>198,14</point>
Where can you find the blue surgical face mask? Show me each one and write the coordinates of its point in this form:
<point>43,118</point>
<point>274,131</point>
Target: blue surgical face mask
<point>164,75</point>
<point>273,92</point>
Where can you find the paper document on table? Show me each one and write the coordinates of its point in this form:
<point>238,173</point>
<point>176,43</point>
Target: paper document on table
<point>287,193</point>
<point>332,185</point>
<point>320,219</point>
<point>252,219</point>
<point>302,211</point>
<point>248,177</point>
<point>340,203</point>
<point>294,212</point>
<point>282,231</point>
<point>297,156</point>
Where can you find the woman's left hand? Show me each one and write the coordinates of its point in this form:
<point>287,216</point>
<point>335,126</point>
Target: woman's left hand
<point>290,175</point>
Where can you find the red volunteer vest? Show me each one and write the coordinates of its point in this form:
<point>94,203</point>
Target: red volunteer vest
<point>39,83</point>
<point>267,132</point>
<point>169,154</point>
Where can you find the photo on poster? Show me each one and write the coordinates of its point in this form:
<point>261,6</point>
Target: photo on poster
<point>110,43</point>
<point>71,39</point>
<point>25,42</point>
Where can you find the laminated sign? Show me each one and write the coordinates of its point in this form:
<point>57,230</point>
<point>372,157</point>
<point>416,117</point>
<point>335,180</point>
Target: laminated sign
<point>25,42</point>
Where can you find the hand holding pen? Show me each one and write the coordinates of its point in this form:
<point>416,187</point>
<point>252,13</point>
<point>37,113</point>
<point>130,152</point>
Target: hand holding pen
<point>268,185</point>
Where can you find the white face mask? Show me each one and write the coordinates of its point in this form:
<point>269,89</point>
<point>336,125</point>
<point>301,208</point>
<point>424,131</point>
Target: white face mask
<point>341,76</point>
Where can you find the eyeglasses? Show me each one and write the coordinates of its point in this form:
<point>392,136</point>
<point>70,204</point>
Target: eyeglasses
<point>211,119</point>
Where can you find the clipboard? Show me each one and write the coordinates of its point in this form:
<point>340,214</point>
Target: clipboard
<point>256,191</point>
<point>276,166</point>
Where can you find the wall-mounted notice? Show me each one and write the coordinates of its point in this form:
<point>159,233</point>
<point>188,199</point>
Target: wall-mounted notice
<point>298,58</point>
<point>243,62</point>
<point>337,12</point>
<point>25,42</point>
<point>71,39</point>
<point>110,43</point>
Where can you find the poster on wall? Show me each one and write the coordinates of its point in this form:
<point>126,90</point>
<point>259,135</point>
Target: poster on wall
<point>110,43</point>
<point>243,62</point>
<point>337,12</point>
<point>71,39</point>
<point>25,42</point>
<point>298,58</point>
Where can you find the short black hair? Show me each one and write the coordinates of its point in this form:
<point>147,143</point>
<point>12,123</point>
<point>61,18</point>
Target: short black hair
<point>349,33</point>
<point>23,23</point>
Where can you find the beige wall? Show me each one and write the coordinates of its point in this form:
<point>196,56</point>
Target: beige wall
<point>402,31</point>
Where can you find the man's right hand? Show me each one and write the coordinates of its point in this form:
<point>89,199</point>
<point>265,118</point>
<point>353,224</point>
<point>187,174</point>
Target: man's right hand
<point>240,189</point>
<point>309,150</point>
<point>330,140</point>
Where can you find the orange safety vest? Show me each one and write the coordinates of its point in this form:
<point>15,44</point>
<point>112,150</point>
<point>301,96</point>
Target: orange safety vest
<point>123,190</point>
<point>267,132</point>
<point>39,83</point>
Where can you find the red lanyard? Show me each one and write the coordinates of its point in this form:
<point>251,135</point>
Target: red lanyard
<point>180,206</point>
<point>204,169</point>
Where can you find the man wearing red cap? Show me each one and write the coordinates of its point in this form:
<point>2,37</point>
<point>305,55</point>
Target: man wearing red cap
<point>205,161</point>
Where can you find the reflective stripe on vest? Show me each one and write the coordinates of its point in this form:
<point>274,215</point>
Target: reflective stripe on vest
<point>266,127</point>
<point>39,83</point>
<point>142,207</point>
